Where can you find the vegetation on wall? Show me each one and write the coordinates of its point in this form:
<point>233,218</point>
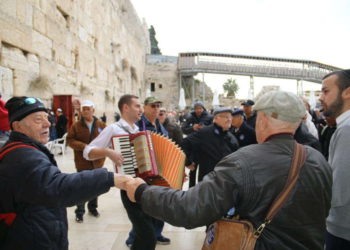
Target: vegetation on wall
<point>154,43</point>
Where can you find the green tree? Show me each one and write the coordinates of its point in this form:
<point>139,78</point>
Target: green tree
<point>231,87</point>
<point>154,43</point>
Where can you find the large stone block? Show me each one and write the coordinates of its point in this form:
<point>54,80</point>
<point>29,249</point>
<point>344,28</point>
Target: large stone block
<point>39,21</point>
<point>13,58</point>
<point>41,45</point>
<point>8,7</point>
<point>14,33</point>
<point>24,12</point>
<point>62,55</point>
<point>6,83</point>
<point>48,68</point>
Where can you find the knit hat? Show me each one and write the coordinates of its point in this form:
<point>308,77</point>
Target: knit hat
<point>20,107</point>
<point>198,103</point>
<point>281,105</point>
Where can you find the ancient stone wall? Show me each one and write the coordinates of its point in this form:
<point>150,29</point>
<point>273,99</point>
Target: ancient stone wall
<point>93,49</point>
<point>161,79</point>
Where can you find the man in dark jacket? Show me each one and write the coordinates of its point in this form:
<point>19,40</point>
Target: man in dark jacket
<point>250,179</point>
<point>61,124</point>
<point>250,114</point>
<point>244,133</point>
<point>194,122</point>
<point>81,134</point>
<point>32,186</point>
<point>210,144</point>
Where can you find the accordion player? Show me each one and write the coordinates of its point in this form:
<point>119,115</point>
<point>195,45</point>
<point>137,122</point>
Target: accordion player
<point>152,157</point>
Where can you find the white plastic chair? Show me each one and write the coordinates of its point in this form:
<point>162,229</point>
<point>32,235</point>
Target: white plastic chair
<point>59,143</point>
<point>49,145</point>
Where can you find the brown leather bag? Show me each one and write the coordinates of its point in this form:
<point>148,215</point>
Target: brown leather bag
<point>235,234</point>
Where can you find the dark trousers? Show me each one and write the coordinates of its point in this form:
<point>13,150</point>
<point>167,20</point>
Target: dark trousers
<point>192,178</point>
<point>143,226</point>
<point>336,243</point>
<point>92,205</point>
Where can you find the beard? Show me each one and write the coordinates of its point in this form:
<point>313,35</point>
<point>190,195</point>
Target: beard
<point>334,109</point>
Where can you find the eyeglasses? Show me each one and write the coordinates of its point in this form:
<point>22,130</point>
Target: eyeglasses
<point>155,106</point>
<point>161,114</point>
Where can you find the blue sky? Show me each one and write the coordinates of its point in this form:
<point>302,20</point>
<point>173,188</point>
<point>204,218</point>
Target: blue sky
<point>317,30</point>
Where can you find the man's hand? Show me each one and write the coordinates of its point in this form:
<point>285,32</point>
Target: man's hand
<point>116,157</point>
<point>197,127</point>
<point>120,180</point>
<point>131,186</point>
<point>192,167</point>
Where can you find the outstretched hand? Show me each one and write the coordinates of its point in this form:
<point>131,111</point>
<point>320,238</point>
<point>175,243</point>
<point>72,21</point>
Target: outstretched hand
<point>120,180</point>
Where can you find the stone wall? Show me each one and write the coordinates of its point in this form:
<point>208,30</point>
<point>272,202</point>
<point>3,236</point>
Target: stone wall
<point>93,49</point>
<point>161,72</point>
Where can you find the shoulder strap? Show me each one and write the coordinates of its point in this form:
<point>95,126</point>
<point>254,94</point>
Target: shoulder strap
<point>298,160</point>
<point>13,145</point>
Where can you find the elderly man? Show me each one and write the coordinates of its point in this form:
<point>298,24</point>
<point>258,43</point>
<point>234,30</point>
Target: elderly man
<point>250,179</point>
<point>32,186</point>
<point>210,144</point>
<point>79,135</point>
<point>335,100</point>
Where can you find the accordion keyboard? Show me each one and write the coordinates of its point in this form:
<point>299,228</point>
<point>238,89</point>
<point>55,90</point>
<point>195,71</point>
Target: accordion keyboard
<point>122,145</point>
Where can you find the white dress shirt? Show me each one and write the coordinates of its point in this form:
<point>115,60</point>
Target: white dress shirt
<point>104,139</point>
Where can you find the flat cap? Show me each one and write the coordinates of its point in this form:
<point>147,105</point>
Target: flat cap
<point>237,112</point>
<point>222,110</point>
<point>281,105</point>
<point>248,103</point>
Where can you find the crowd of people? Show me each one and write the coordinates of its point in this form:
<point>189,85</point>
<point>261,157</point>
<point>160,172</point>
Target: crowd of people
<point>242,157</point>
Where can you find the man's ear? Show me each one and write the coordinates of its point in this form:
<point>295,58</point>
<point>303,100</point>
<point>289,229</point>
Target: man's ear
<point>346,94</point>
<point>16,126</point>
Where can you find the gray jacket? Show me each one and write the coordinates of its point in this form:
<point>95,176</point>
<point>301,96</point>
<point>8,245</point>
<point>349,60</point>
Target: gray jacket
<point>249,180</point>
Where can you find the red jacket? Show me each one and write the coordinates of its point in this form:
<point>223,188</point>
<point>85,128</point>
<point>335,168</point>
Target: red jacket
<point>4,117</point>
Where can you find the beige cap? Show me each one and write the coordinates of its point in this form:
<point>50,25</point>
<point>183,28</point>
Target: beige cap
<point>281,105</point>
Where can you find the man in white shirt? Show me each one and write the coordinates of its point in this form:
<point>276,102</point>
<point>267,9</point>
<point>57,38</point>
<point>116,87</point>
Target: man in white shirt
<point>131,111</point>
<point>335,100</point>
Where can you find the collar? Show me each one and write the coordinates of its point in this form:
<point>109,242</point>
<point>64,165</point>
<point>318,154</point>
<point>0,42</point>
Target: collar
<point>286,135</point>
<point>218,129</point>
<point>133,129</point>
<point>343,119</point>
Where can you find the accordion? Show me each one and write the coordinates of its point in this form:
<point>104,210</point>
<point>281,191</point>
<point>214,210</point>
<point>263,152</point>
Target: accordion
<point>152,157</point>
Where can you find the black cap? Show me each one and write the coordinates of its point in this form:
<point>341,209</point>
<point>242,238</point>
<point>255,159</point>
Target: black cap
<point>20,107</point>
<point>248,103</point>
<point>237,112</point>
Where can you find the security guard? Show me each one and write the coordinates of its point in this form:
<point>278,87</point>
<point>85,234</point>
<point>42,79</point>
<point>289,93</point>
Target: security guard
<point>244,133</point>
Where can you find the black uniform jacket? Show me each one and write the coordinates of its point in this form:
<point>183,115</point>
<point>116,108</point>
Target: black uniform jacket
<point>207,147</point>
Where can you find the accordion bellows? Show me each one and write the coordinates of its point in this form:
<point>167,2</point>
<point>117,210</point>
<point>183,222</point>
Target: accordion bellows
<point>153,157</point>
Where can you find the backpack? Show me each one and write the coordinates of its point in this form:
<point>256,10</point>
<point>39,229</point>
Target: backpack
<point>6,219</point>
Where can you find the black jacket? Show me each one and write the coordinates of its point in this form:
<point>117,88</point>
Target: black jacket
<point>205,119</point>
<point>207,147</point>
<point>245,134</point>
<point>303,136</point>
<point>249,180</point>
<point>32,186</point>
